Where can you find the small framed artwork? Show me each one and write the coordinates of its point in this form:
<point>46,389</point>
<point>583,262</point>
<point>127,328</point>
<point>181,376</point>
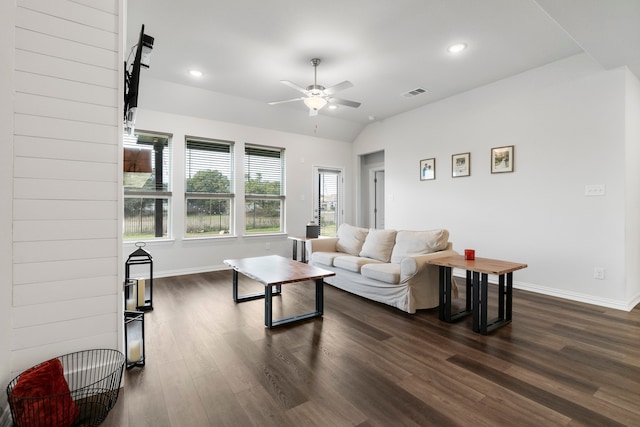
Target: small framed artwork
<point>427,169</point>
<point>502,159</point>
<point>461,165</point>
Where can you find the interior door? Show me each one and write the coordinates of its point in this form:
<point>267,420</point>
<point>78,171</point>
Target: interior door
<point>328,209</point>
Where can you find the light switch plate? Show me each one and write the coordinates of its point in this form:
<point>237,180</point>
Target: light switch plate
<point>594,190</point>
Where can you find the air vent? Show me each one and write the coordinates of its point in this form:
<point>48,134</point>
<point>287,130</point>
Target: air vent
<point>414,92</point>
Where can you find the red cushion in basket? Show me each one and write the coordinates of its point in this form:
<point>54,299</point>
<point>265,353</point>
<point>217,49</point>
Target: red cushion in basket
<point>41,397</point>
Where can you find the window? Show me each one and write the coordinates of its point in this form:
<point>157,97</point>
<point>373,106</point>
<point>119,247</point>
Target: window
<point>147,190</point>
<point>328,200</point>
<point>209,187</point>
<point>264,189</point>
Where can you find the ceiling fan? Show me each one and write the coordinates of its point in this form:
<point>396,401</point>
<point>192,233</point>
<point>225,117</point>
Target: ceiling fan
<point>317,96</point>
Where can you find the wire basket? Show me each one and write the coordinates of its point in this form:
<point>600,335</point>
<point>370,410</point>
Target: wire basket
<point>93,381</point>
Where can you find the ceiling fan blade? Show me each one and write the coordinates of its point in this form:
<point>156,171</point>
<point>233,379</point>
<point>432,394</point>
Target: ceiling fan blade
<point>337,88</point>
<point>346,102</point>
<point>293,86</point>
<point>286,100</point>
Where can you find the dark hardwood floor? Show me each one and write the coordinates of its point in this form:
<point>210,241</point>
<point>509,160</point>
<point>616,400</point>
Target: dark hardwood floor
<point>211,362</point>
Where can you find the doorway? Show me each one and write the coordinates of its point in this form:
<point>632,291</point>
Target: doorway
<point>371,197</point>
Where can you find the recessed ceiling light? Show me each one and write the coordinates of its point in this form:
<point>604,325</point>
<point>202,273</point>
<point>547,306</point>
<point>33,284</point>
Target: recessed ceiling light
<point>458,47</point>
<point>195,73</point>
<point>332,107</point>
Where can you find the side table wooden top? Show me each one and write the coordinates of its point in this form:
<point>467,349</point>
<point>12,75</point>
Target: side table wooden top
<point>481,265</point>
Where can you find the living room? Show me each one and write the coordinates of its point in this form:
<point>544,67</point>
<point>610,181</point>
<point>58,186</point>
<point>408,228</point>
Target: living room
<point>573,123</point>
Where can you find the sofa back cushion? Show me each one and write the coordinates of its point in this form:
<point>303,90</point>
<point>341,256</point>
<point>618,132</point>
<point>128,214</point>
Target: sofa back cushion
<point>379,244</point>
<point>350,239</point>
<point>418,243</point>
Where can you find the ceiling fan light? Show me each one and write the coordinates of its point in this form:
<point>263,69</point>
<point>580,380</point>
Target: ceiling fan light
<point>315,102</point>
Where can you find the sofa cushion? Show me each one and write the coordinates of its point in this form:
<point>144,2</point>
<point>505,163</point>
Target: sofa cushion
<point>353,263</point>
<point>378,244</point>
<point>418,243</point>
<point>350,239</point>
<point>388,273</point>
<point>325,258</point>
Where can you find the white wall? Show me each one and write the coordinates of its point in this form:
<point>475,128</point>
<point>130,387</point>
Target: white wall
<point>66,245</point>
<point>7,22</point>
<point>178,255</point>
<point>632,191</point>
<point>567,122</point>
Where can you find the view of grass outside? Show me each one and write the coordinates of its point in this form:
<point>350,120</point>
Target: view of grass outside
<point>262,216</point>
<point>328,221</point>
<point>140,218</point>
<point>208,217</point>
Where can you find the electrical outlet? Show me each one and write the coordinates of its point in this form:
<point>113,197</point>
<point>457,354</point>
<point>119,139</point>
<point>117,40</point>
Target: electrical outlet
<point>594,190</point>
<point>598,273</point>
<point>267,246</point>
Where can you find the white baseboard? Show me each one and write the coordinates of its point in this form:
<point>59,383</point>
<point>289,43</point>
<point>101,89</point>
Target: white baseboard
<point>572,296</point>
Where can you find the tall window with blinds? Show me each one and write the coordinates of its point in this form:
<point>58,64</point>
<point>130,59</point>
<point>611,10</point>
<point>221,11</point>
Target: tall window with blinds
<point>264,169</point>
<point>209,189</point>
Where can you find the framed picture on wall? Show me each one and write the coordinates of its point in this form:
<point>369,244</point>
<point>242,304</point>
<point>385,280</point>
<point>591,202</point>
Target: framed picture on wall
<point>428,169</point>
<point>502,159</point>
<point>461,165</point>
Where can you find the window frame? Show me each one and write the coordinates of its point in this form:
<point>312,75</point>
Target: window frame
<point>257,197</point>
<point>151,138</point>
<point>193,195</point>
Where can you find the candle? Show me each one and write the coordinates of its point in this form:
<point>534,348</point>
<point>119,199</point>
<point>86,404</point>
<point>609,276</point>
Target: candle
<point>140,292</point>
<point>131,304</point>
<point>134,352</point>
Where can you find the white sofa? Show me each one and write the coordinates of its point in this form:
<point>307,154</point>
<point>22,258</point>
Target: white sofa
<point>387,266</point>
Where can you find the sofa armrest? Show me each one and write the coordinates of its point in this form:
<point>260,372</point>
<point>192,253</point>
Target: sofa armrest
<point>321,244</point>
<point>411,265</point>
<point>423,278</point>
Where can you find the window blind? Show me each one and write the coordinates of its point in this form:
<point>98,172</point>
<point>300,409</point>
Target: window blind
<point>264,170</point>
<point>208,166</point>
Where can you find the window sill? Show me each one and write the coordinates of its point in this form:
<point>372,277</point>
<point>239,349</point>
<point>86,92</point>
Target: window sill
<point>262,235</point>
<point>210,238</point>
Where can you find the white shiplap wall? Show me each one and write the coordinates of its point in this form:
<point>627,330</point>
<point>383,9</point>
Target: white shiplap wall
<point>66,201</point>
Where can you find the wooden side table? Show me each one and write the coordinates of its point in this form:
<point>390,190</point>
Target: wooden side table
<point>477,290</point>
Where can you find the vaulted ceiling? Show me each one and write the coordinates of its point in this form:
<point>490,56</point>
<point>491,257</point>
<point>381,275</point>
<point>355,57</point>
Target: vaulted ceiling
<point>385,48</point>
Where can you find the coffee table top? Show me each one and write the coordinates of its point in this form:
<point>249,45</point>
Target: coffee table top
<point>276,270</point>
<point>481,265</point>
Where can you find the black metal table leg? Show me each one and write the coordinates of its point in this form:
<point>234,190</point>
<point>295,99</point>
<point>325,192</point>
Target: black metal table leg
<point>235,285</point>
<point>268,307</point>
<point>249,297</point>
<point>505,305</point>
<point>468,291</point>
<point>501,296</point>
<point>445,303</point>
<point>319,297</point>
<point>476,301</point>
<point>318,312</point>
<point>484,291</point>
<point>303,255</point>
<point>509,296</point>
<point>295,251</point>
<point>444,309</point>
